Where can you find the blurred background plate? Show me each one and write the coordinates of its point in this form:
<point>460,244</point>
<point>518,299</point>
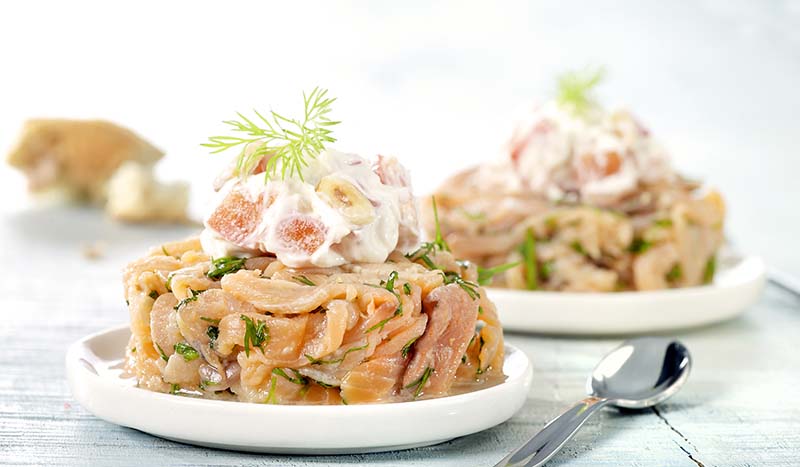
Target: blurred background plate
<point>737,285</point>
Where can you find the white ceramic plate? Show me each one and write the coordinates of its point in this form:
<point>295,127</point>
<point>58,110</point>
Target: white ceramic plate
<point>95,377</point>
<point>737,285</point>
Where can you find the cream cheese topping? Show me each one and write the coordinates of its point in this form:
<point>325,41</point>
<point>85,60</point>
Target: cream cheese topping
<point>344,210</point>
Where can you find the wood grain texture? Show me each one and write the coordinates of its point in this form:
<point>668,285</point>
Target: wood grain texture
<point>739,408</point>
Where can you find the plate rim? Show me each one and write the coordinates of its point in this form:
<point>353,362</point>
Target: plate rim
<point>578,314</point>
<point>518,383</point>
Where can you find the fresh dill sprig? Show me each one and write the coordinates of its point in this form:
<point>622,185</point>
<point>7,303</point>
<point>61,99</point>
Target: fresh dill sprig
<point>575,90</point>
<point>289,143</point>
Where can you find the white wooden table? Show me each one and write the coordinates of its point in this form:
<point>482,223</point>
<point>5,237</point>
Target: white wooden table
<point>740,406</point>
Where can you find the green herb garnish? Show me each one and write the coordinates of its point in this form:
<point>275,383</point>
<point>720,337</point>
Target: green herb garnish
<point>576,245</point>
<point>324,385</point>
<point>224,265</point>
<point>186,351</point>
<point>388,284</point>
<point>439,240</point>
<point>470,288</point>
<point>288,142</point>
<point>164,250</point>
<point>271,394</point>
<point>163,354</point>
<point>304,280</point>
<point>213,321</point>
<point>419,384</point>
<point>473,216</point>
<point>485,276</point>
<point>256,334</point>
<point>528,250</point>
<point>317,361</point>
<point>675,273</point>
<point>205,384</point>
<point>639,245</point>
<point>173,389</point>
<point>193,294</point>
<point>407,348</point>
<point>663,223</point>
<point>575,90</point>
<point>407,288</point>
<point>298,378</point>
<point>710,270</point>
<point>547,269</point>
<point>213,334</point>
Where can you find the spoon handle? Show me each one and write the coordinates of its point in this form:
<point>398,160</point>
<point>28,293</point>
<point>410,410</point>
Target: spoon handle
<point>553,436</point>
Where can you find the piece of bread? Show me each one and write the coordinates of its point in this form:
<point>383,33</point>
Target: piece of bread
<point>77,156</point>
<point>134,195</point>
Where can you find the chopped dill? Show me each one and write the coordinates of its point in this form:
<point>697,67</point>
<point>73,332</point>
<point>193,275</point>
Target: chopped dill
<point>193,294</point>
<point>271,394</point>
<point>297,379</point>
<point>162,353</point>
<point>419,384</point>
<point>675,273</point>
<point>470,288</point>
<point>256,334</point>
<point>576,245</point>
<point>407,348</point>
<point>304,280</point>
<point>639,245</point>
<point>486,275</point>
<point>388,284</point>
<point>407,288</point>
<point>225,265</point>
<point>317,361</point>
<point>153,294</point>
<point>213,334</point>
<point>528,250</point>
<point>710,270</point>
<point>186,351</point>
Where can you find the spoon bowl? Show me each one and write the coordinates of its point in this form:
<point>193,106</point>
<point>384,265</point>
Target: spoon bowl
<point>641,372</point>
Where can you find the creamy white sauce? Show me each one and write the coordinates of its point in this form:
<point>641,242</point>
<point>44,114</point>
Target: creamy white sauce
<point>390,221</point>
<point>559,155</point>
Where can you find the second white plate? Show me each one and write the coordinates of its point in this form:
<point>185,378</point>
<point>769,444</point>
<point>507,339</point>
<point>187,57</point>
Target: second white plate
<point>737,285</point>
<point>95,378</point>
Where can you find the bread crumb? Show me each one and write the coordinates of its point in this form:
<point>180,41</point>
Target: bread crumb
<point>94,251</point>
<point>134,195</point>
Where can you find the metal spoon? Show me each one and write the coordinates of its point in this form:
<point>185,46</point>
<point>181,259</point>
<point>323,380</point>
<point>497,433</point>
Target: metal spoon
<point>640,373</point>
